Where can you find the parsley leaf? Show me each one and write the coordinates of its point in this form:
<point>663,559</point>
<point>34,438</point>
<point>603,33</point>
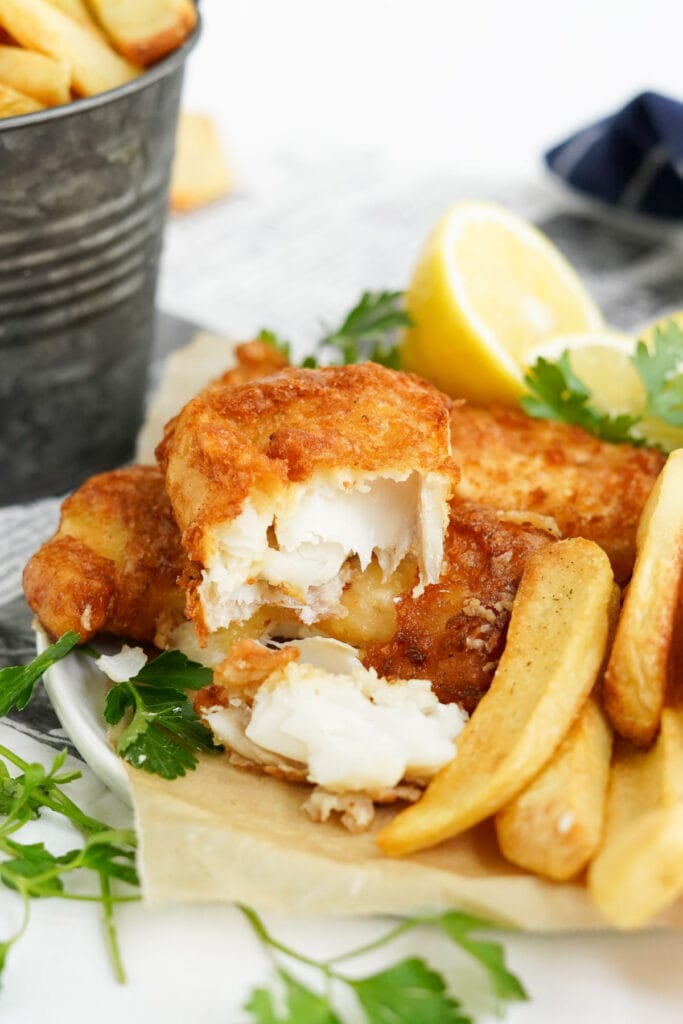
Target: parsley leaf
<point>410,992</point>
<point>658,367</point>
<point>275,341</point>
<point>556,393</point>
<point>30,869</point>
<point>458,927</point>
<point>164,733</point>
<point>17,683</point>
<point>368,332</point>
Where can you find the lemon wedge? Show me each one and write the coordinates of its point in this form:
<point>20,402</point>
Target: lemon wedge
<point>602,362</point>
<point>486,288</point>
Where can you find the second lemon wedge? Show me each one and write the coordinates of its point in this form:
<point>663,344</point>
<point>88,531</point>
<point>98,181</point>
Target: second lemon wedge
<point>487,287</point>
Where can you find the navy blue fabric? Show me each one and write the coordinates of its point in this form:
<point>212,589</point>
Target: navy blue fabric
<point>633,159</point>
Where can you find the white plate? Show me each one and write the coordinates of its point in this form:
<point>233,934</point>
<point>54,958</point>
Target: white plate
<point>77,690</point>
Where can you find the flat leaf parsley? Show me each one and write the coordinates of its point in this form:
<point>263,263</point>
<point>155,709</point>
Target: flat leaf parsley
<point>408,992</point>
<point>556,393</point>
<point>368,332</point>
<point>164,733</point>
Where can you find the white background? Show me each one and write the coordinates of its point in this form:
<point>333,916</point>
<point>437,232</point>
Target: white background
<point>411,89</point>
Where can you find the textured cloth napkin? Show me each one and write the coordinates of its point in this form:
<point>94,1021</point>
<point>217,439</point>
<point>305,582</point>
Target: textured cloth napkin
<point>632,159</point>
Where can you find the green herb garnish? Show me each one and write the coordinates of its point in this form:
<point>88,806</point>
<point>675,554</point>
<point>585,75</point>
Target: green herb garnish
<point>107,855</point>
<point>408,992</point>
<point>164,733</point>
<point>368,332</point>
<point>558,394</point>
<point>18,682</point>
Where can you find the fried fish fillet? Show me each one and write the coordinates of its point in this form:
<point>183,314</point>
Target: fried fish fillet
<point>114,562</point>
<point>591,488</point>
<point>278,484</point>
<point>454,633</point>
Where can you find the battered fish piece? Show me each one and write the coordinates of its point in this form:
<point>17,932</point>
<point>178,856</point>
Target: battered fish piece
<point>591,488</point>
<point>113,565</point>
<point>278,484</point>
<point>454,633</point>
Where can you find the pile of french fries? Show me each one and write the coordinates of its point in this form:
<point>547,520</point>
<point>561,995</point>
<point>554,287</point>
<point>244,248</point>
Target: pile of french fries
<point>538,754</point>
<point>52,51</point>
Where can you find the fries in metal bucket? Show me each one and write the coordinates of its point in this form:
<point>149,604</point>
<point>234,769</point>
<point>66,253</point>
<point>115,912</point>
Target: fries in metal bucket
<point>146,30</point>
<point>37,25</point>
<point>33,74</point>
<point>555,648</point>
<point>13,103</point>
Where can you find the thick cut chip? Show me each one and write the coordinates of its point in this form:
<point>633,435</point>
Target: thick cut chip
<point>555,648</point>
<point>13,103</point>
<point>200,171</point>
<point>592,489</point>
<point>638,669</point>
<point>554,826</point>
<point>639,868</point>
<point>45,79</point>
<point>278,485</point>
<point>113,564</point>
<point>75,9</point>
<point>37,25</point>
<point>146,30</point>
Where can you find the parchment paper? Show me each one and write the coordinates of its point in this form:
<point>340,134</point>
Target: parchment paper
<point>227,834</point>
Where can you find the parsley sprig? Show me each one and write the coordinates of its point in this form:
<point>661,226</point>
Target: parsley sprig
<point>556,393</point>
<point>18,682</point>
<point>164,733</point>
<point>368,332</point>
<point>106,856</point>
<point>408,992</point>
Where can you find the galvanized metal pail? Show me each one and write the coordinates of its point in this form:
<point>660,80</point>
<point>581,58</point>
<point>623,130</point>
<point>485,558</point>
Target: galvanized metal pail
<point>83,200</point>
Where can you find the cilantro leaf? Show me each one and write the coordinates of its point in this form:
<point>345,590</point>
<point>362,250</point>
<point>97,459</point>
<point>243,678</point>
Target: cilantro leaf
<point>459,926</point>
<point>164,733</point>
<point>17,683</point>
<point>410,992</point>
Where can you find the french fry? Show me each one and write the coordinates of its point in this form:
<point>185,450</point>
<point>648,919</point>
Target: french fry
<point>76,9</point>
<point>554,651</point>
<point>200,173</point>
<point>36,25</point>
<point>554,826</point>
<point>13,103</point>
<point>146,30</point>
<point>44,78</point>
<point>637,672</point>
<point>638,870</point>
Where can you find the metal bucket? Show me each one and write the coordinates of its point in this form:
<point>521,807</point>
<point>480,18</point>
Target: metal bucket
<point>83,200</point>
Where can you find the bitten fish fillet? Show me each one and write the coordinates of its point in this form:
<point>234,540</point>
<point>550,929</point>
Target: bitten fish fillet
<point>454,633</point>
<point>591,488</point>
<point>277,485</point>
